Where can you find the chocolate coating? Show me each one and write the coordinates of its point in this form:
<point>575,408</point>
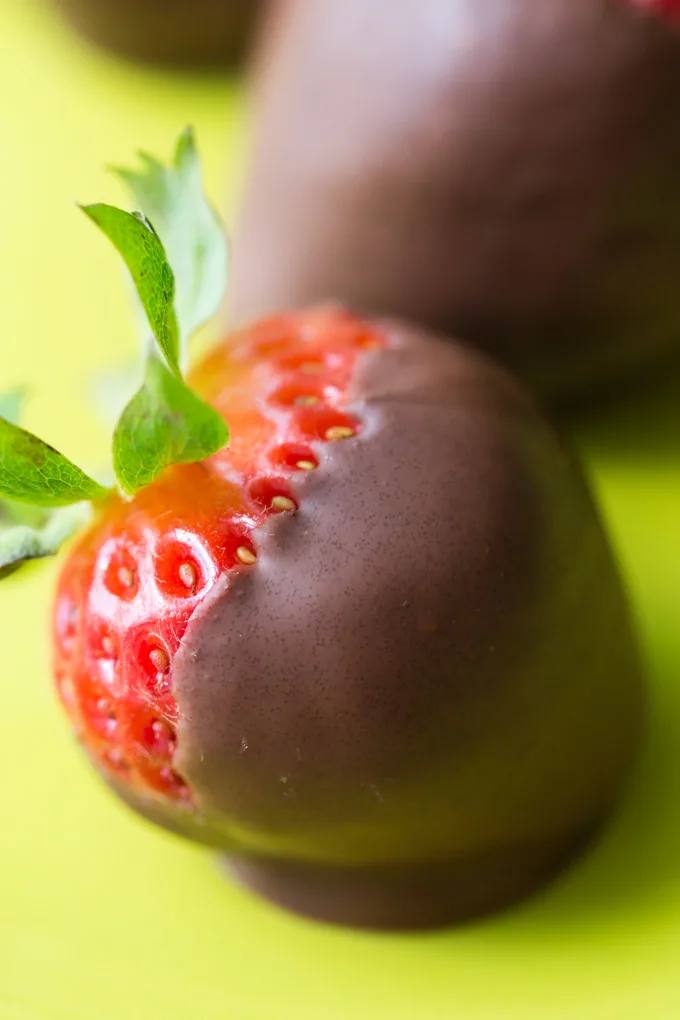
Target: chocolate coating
<point>174,32</point>
<point>508,171</point>
<point>423,696</point>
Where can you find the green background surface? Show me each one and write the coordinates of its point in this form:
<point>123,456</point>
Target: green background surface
<point>100,916</point>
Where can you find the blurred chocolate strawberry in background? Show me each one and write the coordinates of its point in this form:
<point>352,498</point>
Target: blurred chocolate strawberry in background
<point>179,33</point>
<point>506,170</point>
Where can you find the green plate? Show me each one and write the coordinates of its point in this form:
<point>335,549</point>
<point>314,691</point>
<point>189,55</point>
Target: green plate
<point>102,918</point>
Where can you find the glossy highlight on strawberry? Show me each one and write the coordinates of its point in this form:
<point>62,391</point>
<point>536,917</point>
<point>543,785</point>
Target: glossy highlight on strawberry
<point>134,580</point>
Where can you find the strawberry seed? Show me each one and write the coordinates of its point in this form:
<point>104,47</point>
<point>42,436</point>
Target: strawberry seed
<point>108,647</point>
<point>126,576</point>
<point>159,738</point>
<point>283,503</point>
<point>188,576</point>
<point>160,660</point>
<point>339,432</point>
<point>116,761</point>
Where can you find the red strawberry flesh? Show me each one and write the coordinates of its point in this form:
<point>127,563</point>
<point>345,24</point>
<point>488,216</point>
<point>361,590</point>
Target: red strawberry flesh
<point>131,585</point>
<point>666,8</point>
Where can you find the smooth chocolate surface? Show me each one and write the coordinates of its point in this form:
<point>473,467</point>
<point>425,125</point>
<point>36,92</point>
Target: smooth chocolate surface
<point>429,671</point>
<point>191,33</point>
<point>505,170</point>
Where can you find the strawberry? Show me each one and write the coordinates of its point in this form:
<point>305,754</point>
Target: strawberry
<point>182,34</point>
<point>132,583</point>
<point>369,638</point>
<point>503,170</point>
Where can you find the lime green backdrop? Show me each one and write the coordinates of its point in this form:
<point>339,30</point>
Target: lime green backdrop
<point>100,916</point>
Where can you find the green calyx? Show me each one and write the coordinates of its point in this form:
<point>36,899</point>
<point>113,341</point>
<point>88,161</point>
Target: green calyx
<point>33,472</point>
<point>143,253</point>
<point>165,423</point>
<point>189,229</point>
<point>42,493</point>
<point>175,250</point>
<point>25,537</point>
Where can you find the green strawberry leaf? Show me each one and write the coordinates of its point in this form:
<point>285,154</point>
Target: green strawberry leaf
<point>11,404</point>
<point>139,244</point>
<point>43,495</point>
<point>35,473</point>
<point>30,534</point>
<point>189,228</point>
<point>165,423</point>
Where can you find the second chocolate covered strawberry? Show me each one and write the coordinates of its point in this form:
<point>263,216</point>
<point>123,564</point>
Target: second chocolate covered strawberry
<point>507,170</point>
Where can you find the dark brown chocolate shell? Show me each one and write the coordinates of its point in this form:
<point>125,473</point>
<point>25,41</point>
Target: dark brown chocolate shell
<point>422,698</point>
<point>504,170</point>
<point>176,33</point>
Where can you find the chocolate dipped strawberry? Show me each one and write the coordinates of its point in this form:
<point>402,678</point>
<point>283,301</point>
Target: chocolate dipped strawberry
<point>370,641</point>
<point>172,33</point>
<point>505,170</point>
